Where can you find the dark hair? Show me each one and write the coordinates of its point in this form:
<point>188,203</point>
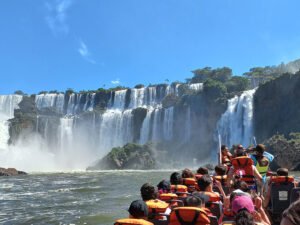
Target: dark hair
<point>243,217</point>
<point>138,209</point>
<point>223,147</point>
<point>202,170</point>
<point>175,178</point>
<point>192,201</point>
<point>164,186</point>
<point>292,213</point>
<point>187,173</point>
<point>260,148</point>
<point>148,192</point>
<point>240,152</point>
<point>242,185</point>
<point>282,172</point>
<point>220,170</point>
<point>204,182</point>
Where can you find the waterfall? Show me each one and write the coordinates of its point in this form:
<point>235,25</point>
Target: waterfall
<point>236,125</point>
<point>196,86</point>
<point>8,103</point>
<point>50,100</point>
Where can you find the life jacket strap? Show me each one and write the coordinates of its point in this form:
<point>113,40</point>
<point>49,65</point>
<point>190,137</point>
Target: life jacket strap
<point>182,222</point>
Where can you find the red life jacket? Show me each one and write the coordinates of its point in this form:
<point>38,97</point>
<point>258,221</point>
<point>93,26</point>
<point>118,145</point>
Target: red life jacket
<point>282,179</point>
<point>191,184</point>
<point>222,179</point>
<point>243,169</point>
<point>179,188</point>
<point>213,196</point>
<point>132,221</point>
<point>189,215</point>
<point>155,207</point>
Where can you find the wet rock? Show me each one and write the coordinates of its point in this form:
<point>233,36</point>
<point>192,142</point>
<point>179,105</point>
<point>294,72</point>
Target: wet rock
<point>11,172</point>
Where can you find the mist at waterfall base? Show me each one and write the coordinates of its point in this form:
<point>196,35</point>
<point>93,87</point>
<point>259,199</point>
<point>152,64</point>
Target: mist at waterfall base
<point>80,136</point>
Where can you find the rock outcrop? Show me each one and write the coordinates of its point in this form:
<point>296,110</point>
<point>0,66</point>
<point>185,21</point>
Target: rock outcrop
<point>11,172</point>
<point>286,151</point>
<point>130,156</point>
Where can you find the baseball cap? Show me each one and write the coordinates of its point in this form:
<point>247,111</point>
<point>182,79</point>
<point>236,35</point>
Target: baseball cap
<point>242,202</point>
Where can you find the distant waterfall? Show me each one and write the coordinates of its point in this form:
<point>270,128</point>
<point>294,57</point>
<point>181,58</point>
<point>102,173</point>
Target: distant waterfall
<point>236,125</point>
<point>8,103</point>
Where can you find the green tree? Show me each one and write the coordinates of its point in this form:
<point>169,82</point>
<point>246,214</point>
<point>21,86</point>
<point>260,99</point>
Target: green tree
<point>237,84</point>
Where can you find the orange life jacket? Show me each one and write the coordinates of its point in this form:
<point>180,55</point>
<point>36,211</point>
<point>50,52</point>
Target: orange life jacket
<point>132,221</point>
<point>168,196</point>
<point>213,196</point>
<point>282,179</point>
<point>189,216</point>
<point>243,168</point>
<point>222,179</point>
<point>191,184</point>
<point>155,207</point>
<point>179,188</point>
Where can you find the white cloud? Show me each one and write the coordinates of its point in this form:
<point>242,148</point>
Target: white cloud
<point>85,53</point>
<point>117,81</point>
<point>57,15</point>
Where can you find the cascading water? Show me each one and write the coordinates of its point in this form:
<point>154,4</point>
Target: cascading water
<point>8,103</point>
<point>235,125</point>
<point>78,132</point>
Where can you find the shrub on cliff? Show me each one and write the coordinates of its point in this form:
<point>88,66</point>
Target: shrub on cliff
<point>237,84</point>
<point>220,74</point>
<point>286,150</point>
<point>130,156</point>
<point>214,89</point>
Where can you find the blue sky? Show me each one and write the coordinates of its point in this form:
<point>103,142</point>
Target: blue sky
<point>87,44</point>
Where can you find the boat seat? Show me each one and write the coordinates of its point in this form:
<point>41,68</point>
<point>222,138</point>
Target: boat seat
<point>213,220</point>
<point>280,197</point>
<point>295,194</point>
<point>216,208</point>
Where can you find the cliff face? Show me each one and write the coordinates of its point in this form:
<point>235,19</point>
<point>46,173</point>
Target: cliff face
<point>277,107</point>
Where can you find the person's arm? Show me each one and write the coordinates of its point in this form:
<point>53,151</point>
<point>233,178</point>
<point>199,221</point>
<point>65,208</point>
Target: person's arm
<point>229,177</point>
<point>267,198</point>
<point>219,185</point>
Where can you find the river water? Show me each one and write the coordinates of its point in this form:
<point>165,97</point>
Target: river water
<point>72,198</point>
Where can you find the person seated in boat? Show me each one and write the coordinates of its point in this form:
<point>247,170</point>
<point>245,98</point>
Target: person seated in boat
<point>243,169</point>
<point>164,193</point>
<point>205,184</point>
<point>176,185</point>
<point>226,156</point>
<point>220,174</point>
<point>291,216</point>
<point>261,159</point>
<point>282,175</point>
<point>200,172</point>
<point>192,213</point>
<point>188,179</point>
<point>138,214</point>
<point>244,211</point>
<point>155,206</point>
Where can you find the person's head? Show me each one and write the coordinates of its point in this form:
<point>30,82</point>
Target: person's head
<point>205,183</point>
<point>240,151</point>
<point>240,202</point>
<point>220,170</point>
<point>202,170</point>
<point>204,198</point>
<point>242,185</point>
<point>148,192</point>
<point>260,149</point>
<point>243,217</point>
<point>187,173</point>
<point>282,172</point>
<point>224,148</point>
<point>291,216</point>
<point>193,201</point>
<point>175,178</point>
<point>138,209</point>
<point>164,186</point>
